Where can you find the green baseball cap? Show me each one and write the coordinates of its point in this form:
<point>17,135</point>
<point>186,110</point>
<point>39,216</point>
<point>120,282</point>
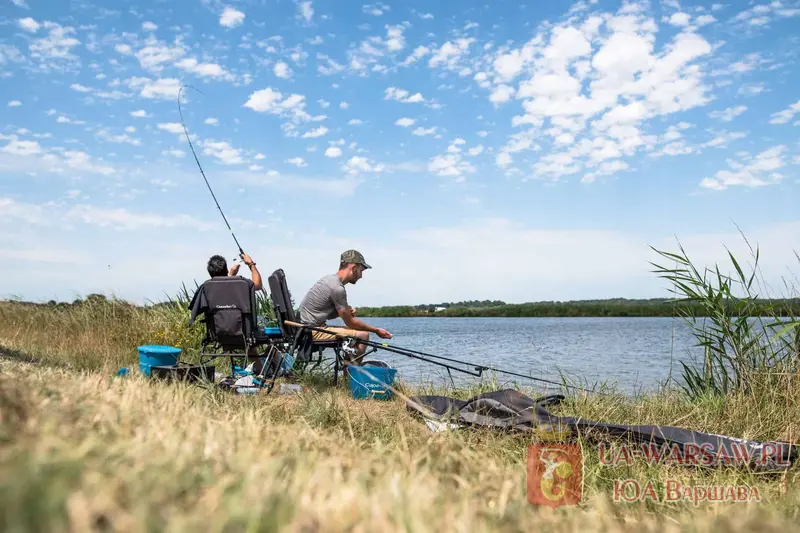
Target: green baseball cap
<point>354,256</point>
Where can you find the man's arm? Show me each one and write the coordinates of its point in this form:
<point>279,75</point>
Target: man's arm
<point>346,313</point>
<point>254,273</point>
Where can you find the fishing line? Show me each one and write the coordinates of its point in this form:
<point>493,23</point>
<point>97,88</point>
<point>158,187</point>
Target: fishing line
<point>423,356</point>
<point>183,123</point>
<point>241,252</point>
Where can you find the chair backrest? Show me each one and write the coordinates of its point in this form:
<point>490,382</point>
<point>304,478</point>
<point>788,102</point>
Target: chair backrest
<point>282,301</point>
<point>302,339</point>
<point>231,310</point>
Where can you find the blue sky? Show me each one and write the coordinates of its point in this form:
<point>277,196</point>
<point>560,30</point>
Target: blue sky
<point>470,150</point>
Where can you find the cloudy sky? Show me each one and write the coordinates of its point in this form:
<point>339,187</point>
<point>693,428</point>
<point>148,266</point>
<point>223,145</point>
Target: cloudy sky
<point>470,150</point>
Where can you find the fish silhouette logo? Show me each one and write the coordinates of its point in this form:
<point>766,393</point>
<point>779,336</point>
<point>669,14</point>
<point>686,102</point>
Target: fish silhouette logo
<point>555,474</point>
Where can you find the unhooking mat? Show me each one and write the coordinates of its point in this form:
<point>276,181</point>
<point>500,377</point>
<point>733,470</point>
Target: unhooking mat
<point>511,410</point>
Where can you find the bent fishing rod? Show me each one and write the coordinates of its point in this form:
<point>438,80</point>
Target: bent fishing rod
<point>477,370</point>
<point>191,147</point>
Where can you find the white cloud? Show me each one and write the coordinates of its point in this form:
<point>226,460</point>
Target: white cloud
<point>401,95</point>
<point>149,26</point>
<point>121,218</point>
<point>160,89</point>
<point>450,53</point>
<point>172,127</point>
<point>80,88</point>
<point>722,139</point>
<point>212,70</point>
<point>297,161</point>
<point>231,18</point>
<point>588,84</point>
<point>316,132</point>
<point>139,113</point>
<point>782,117</point>
<point>333,151</point>
<point>54,51</point>
<point>762,14</point>
<point>23,148</point>
<point>450,165</point>
<point>376,10</point>
<point>273,102</point>
<point>282,70</point>
<point>422,132</point>
<point>680,19</point>
<point>501,93</point>
<point>155,55</point>
<point>357,164</point>
<point>394,38</point>
<point>305,10</point>
<point>223,151</point>
<point>503,159</point>
<point>28,24</point>
<point>211,121</point>
<point>14,103</point>
<point>752,171</point>
<point>728,114</point>
<point>404,122</point>
<point>751,89</point>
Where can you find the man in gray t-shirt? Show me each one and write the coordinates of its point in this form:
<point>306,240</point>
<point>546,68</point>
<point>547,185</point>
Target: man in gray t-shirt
<point>327,300</point>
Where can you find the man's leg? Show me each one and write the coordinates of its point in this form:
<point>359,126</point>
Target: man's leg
<point>360,348</point>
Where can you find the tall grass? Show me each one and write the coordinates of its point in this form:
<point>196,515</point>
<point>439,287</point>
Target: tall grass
<point>89,452</point>
<point>745,341</point>
<point>81,450</point>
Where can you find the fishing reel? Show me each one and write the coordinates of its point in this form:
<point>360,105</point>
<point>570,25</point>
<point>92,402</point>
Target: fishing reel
<point>349,349</point>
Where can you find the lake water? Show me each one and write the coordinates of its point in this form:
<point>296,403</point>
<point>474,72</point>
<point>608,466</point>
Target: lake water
<point>634,354</point>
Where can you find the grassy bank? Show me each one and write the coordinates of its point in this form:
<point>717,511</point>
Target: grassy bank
<point>84,450</point>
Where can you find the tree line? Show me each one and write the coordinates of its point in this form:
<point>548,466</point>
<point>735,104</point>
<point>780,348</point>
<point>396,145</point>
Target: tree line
<point>619,307</point>
<point>615,307</point>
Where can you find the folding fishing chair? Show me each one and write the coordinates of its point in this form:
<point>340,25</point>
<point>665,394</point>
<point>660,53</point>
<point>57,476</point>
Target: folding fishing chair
<point>301,340</point>
<point>228,306</point>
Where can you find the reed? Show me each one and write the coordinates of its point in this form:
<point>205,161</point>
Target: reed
<point>744,336</point>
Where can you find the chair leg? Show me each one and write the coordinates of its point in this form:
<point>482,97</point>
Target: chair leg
<point>336,369</point>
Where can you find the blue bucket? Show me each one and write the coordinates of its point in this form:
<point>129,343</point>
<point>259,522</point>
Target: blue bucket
<point>150,356</point>
<point>371,382</point>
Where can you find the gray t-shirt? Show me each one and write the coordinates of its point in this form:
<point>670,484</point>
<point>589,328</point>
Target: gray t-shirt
<point>322,301</point>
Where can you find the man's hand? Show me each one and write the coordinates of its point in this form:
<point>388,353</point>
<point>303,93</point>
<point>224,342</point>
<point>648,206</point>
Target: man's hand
<point>247,261</point>
<point>234,269</point>
<point>353,311</point>
<point>383,334</point>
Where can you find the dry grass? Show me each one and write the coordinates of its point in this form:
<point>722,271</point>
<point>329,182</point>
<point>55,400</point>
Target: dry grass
<point>83,450</point>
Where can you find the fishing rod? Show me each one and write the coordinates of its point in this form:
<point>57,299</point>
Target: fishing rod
<point>423,356</point>
<point>191,147</point>
<point>239,246</point>
<point>183,123</point>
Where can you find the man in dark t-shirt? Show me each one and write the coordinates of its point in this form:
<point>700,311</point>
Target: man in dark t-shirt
<point>327,300</point>
<point>218,266</point>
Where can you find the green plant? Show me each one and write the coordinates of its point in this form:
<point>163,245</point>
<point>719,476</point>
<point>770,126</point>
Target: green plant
<point>733,330</point>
